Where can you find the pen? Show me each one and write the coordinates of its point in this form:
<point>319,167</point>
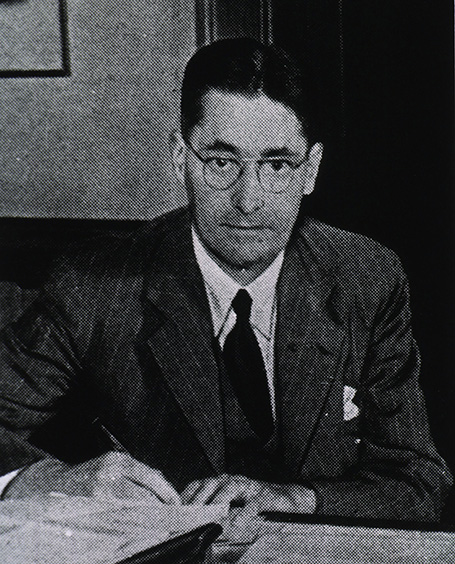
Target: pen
<point>114,442</point>
<point>161,489</point>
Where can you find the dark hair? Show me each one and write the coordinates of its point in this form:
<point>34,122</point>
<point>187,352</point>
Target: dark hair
<point>243,66</point>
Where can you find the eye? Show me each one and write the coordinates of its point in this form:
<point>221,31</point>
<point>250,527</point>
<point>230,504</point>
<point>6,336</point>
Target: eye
<point>278,166</point>
<point>220,164</point>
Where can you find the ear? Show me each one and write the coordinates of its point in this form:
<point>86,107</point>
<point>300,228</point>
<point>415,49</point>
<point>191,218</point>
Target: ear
<point>312,167</point>
<point>178,150</point>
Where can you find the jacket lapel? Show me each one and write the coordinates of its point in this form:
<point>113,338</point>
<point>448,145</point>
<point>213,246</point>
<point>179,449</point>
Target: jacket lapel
<point>310,335</point>
<point>309,340</point>
<point>179,334</point>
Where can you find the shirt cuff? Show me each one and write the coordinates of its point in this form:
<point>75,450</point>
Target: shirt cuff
<point>6,479</point>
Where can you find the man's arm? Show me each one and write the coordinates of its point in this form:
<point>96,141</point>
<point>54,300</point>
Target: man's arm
<point>113,474</point>
<point>400,475</point>
<point>39,365</point>
<point>35,376</point>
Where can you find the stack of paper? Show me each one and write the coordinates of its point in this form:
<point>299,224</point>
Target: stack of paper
<point>76,530</point>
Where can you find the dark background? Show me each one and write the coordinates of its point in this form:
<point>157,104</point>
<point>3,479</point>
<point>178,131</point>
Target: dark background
<point>384,77</point>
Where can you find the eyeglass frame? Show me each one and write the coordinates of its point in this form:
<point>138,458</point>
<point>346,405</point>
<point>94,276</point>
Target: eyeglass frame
<point>258,163</point>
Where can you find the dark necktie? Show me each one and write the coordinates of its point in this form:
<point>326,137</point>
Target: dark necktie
<point>245,367</point>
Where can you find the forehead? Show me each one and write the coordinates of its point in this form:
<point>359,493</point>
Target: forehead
<point>251,124</point>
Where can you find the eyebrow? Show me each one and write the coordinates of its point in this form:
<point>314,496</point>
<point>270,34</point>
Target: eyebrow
<point>280,152</point>
<point>221,146</point>
<point>267,154</point>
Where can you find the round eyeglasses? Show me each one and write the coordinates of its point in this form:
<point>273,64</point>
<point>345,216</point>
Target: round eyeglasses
<point>274,174</point>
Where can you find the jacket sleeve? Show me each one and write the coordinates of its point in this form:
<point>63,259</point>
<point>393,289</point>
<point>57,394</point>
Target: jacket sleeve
<point>39,366</point>
<point>399,475</point>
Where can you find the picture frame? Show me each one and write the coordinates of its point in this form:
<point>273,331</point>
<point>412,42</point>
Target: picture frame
<point>33,38</point>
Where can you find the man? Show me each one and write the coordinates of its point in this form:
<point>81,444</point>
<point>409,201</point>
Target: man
<point>236,355</point>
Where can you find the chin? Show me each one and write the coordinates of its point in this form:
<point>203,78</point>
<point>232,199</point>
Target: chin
<point>245,258</point>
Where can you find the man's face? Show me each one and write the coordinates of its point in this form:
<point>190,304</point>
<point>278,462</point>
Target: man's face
<point>244,225</point>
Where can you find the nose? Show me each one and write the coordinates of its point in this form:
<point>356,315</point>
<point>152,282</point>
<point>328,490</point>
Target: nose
<point>248,195</point>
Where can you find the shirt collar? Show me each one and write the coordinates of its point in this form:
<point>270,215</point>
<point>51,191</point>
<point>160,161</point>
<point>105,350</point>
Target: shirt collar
<point>221,289</point>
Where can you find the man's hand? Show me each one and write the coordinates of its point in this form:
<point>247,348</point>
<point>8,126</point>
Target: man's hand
<point>256,496</point>
<point>113,474</point>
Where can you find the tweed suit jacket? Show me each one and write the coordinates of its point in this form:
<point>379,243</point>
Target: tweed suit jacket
<point>124,326</point>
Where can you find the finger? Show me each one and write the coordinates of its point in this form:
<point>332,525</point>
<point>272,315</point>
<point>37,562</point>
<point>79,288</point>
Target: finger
<point>190,490</point>
<point>240,489</point>
<point>127,489</point>
<point>303,498</point>
<point>245,525</point>
<point>152,480</point>
<point>276,502</point>
<point>207,490</point>
<point>121,475</point>
<point>231,492</point>
<point>288,498</point>
<point>246,513</point>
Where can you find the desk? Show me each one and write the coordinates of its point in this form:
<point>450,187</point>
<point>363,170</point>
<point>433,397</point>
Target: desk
<point>87,531</point>
<point>278,543</point>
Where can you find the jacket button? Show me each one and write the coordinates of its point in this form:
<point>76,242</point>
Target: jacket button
<point>292,347</point>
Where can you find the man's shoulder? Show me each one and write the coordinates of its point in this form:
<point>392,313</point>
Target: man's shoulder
<point>118,255</point>
<point>348,254</point>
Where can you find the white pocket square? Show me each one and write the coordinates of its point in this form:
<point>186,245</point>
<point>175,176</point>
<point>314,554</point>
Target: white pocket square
<point>350,410</point>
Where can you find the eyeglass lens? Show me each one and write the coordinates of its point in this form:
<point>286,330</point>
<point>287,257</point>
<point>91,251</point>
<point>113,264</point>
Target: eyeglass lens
<point>222,173</point>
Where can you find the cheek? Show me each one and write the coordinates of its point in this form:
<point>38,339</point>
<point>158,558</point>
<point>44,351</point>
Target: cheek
<point>284,211</point>
<point>203,201</point>
<point>207,209</point>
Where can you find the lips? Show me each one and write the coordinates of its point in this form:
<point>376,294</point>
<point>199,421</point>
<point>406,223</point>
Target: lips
<point>245,227</point>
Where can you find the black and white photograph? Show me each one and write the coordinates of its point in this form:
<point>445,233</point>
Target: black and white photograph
<point>227,282</point>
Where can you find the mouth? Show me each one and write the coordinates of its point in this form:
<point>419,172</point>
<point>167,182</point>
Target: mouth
<point>244,227</point>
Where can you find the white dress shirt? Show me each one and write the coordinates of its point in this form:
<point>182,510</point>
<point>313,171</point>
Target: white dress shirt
<point>221,290</point>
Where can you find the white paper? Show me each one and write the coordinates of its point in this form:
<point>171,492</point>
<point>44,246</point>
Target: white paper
<point>77,530</point>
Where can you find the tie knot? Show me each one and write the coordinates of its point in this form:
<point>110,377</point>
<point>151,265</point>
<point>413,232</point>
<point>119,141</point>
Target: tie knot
<point>241,304</point>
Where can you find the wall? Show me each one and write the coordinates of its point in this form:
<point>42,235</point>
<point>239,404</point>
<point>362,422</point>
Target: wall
<point>95,144</point>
